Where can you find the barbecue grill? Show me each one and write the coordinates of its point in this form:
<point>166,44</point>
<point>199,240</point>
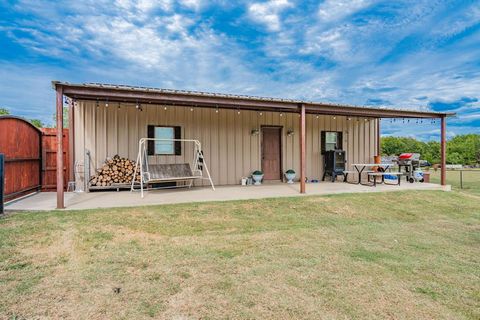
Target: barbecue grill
<point>409,163</point>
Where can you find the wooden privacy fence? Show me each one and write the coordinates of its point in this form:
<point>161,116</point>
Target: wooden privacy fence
<point>29,157</point>
<point>20,142</point>
<point>49,158</point>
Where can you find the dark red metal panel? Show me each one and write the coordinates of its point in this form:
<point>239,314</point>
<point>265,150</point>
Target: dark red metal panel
<point>20,142</point>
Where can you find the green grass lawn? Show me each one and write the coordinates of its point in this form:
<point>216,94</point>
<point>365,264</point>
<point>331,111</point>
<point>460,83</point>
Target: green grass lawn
<point>471,180</point>
<point>402,255</point>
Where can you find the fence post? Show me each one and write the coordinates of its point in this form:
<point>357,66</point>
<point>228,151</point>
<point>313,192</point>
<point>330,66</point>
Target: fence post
<point>2,179</point>
<point>461,179</point>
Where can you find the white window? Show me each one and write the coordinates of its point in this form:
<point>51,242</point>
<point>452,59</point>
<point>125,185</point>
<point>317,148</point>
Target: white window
<point>164,147</point>
<point>331,140</point>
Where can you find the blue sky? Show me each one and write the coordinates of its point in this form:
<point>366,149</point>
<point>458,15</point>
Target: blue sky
<point>404,54</point>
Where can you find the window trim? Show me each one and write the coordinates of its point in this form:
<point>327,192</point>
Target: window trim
<point>323,140</point>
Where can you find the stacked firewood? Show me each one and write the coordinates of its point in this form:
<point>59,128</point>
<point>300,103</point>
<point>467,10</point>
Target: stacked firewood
<point>115,170</point>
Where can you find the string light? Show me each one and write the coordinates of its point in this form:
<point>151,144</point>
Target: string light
<point>260,113</point>
<point>191,109</point>
<point>317,116</point>
<point>137,106</point>
<point>106,103</point>
<point>165,108</point>
<point>334,117</point>
<point>281,114</point>
<point>349,118</point>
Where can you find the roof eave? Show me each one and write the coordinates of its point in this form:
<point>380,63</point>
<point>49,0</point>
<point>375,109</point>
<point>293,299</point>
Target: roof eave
<point>171,97</point>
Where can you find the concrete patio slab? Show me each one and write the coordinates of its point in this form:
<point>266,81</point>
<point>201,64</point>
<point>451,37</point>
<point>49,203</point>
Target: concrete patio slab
<point>74,201</point>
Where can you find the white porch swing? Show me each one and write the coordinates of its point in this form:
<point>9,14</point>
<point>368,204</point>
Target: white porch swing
<point>163,173</point>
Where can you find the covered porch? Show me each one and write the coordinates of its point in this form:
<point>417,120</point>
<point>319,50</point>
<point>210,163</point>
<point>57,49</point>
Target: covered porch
<point>45,201</point>
<point>92,126</point>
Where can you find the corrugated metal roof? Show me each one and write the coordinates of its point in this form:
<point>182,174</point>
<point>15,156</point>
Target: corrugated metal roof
<point>94,85</point>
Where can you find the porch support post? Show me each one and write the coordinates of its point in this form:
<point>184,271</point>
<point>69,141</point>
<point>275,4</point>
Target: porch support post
<point>71,146</point>
<point>302,148</point>
<point>379,140</point>
<point>60,172</point>
<point>443,151</point>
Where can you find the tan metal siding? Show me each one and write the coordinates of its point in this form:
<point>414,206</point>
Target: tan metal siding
<point>230,149</point>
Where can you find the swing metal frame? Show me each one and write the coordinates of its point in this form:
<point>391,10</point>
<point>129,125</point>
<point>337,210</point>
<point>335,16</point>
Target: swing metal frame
<point>142,167</point>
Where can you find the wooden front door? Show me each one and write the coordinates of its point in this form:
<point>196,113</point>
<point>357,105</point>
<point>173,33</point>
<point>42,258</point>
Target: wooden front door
<point>272,153</point>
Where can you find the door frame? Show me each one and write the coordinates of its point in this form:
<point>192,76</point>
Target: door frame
<point>266,126</point>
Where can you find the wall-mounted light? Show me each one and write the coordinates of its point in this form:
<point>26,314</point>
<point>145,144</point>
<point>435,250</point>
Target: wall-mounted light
<point>290,132</point>
<point>255,132</point>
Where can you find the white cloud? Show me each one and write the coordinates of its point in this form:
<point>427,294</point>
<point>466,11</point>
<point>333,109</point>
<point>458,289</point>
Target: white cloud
<point>268,13</point>
<point>144,6</point>
<point>192,4</point>
<point>333,10</point>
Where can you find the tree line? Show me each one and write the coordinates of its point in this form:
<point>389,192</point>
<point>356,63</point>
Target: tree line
<point>39,123</point>
<point>462,149</point>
